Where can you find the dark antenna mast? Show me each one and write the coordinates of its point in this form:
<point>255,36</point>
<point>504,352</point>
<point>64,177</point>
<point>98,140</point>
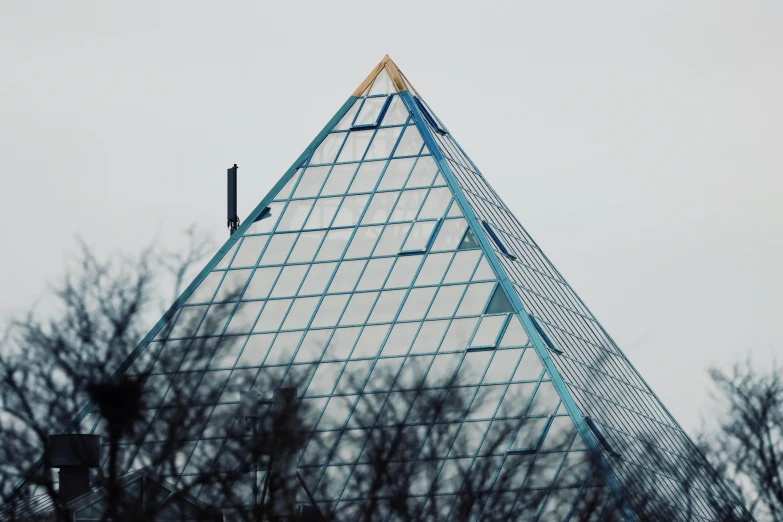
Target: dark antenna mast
<point>233,218</point>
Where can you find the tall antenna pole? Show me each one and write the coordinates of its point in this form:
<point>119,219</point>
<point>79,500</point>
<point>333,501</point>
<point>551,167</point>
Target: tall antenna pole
<point>233,218</point>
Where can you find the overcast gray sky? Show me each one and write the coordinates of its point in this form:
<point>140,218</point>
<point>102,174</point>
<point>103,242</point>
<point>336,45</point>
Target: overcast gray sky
<point>639,144</point>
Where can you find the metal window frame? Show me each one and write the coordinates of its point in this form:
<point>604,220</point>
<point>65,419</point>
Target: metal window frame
<point>494,344</point>
<point>430,240</point>
<point>544,336</point>
<point>381,114</point>
<point>497,240</point>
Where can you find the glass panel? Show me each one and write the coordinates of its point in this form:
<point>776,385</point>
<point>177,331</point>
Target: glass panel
<point>342,343</point>
<point>300,313</point>
<point>339,179</point>
<point>419,237</point>
<point>380,207</point>
<point>402,274</point>
<point>289,186</point>
<point>467,443</point>
<point>450,234</point>
<point>272,315</point>
<point>396,173</point>
<point>391,239</point>
<point>240,380</point>
<point>432,271</point>
<point>325,378</point>
<point>499,303</point>
<point>397,113</point>
<point>358,308</point>
<point>437,201</point>
<point>370,341</point>
<point>515,335</point>
<point>408,205</point>
<point>289,280</point>
<point>400,338</point>
<point>244,317</point>
<point>312,180</point>
<point>528,435</point>
<point>484,271</point>
<point>486,402</point>
<point>306,246</point>
<point>429,337</point>
<point>458,335</point>
<point>475,299</point>
<point>417,304</point>
<point>330,310</point>
<point>322,213</point>
<point>382,84</point>
<point>413,372</point>
<point>317,278</point>
<point>488,331</point>
<point>277,250</point>
<point>545,401</point>
<point>346,276</point>
<point>346,121</point>
<point>206,289</point>
<point>462,266</point>
<point>529,368</point>
<point>363,242</point>
<point>333,245</point>
<point>454,210</point>
<point>560,434</point>
<point>411,142</point>
<point>227,257</point>
<point>283,348</point>
<point>503,365</point>
<point>383,143</point>
<point>375,274</point>
<point>268,222</point>
<point>249,251</point>
<point>350,211</point>
<point>313,345</point>
<point>367,177</point>
<point>382,376</point>
<point>295,214</point>
<point>387,305</point>
<point>353,377</point>
<point>445,302</point>
<point>328,148</point>
<point>442,369</point>
<point>255,350</point>
<point>472,369</point>
<point>232,285</point>
<point>335,414</point>
<point>370,111</point>
<point>355,145</point>
<point>423,173</point>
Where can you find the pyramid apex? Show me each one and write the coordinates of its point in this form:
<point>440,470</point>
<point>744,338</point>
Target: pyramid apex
<point>385,78</point>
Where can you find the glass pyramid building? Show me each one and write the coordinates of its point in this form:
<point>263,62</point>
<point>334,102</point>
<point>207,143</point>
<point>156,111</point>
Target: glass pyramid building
<point>384,262</point>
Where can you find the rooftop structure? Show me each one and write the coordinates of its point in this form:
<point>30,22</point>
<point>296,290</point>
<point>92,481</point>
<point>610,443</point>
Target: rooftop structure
<point>383,264</point>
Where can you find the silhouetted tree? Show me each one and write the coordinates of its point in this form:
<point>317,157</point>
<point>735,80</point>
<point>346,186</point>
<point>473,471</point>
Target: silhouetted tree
<point>747,447</point>
<point>401,448</point>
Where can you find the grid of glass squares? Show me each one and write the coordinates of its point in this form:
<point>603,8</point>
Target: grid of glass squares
<point>600,379</point>
<point>362,283</point>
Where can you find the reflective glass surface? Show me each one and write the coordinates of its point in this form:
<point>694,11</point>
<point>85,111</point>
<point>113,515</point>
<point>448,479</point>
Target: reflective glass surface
<point>372,287</point>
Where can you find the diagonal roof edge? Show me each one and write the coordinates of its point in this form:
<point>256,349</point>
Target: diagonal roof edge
<point>520,311</point>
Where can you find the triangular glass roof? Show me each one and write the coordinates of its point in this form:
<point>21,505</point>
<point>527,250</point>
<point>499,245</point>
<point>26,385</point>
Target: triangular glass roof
<point>384,250</point>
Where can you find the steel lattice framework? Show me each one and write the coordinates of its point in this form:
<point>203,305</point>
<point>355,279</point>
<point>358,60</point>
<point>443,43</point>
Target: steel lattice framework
<point>384,249</point>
